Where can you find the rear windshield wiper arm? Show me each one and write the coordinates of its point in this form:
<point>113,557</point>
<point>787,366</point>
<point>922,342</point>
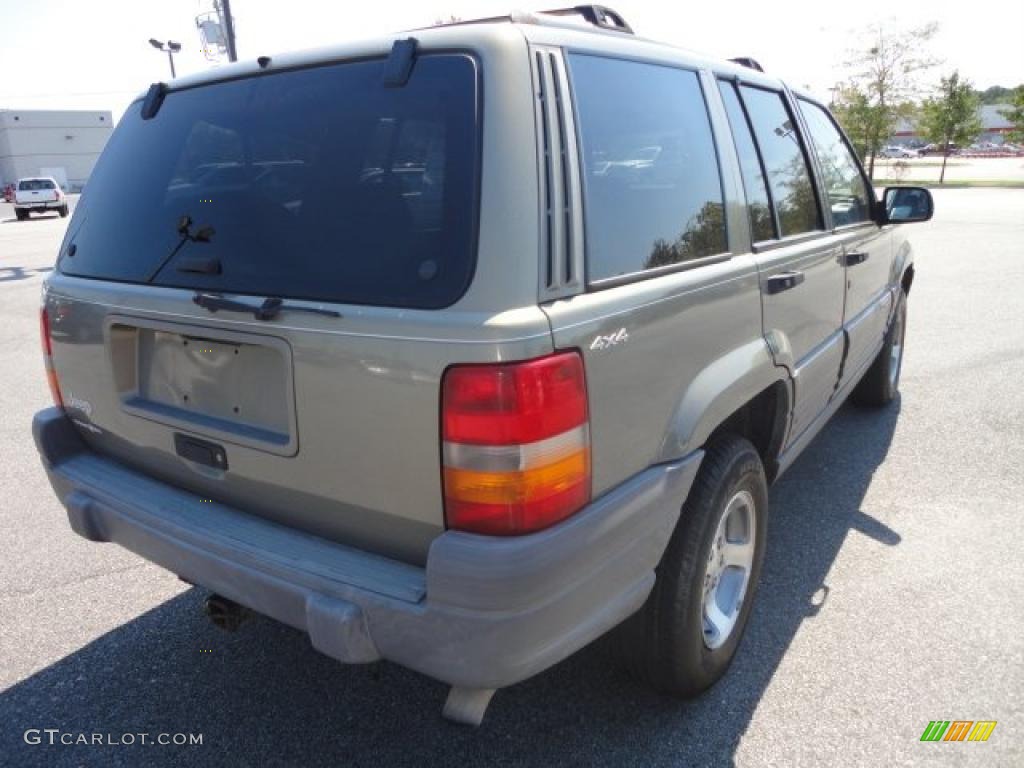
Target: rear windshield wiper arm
<point>268,310</point>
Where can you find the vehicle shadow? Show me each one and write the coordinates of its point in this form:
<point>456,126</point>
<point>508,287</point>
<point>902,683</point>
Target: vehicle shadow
<point>10,274</point>
<point>37,217</point>
<point>263,696</point>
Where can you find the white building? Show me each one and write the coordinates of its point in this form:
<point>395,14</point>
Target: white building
<point>63,144</point>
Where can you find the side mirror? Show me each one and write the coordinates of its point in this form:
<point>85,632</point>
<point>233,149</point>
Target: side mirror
<point>904,205</point>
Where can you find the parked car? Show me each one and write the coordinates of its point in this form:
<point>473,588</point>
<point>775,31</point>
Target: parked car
<point>39,195</point>
<point>938,149</point>
<point>898,152</point>
<point>472,417</point>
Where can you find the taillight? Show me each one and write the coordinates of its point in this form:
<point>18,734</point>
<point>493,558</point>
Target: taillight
<point>516,449</point>
<point>51,373</point>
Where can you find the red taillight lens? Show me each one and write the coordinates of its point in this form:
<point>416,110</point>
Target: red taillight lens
<point>514,403</point>
<point>51,374</point>
<point>516,444</point>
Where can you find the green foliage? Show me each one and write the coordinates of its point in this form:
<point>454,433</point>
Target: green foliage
<point>867,124</point>
<point>951,116</point>
<point>1015,114</point>
<point>998,94</point>
<point>882,82</point>
<point>862,121</point>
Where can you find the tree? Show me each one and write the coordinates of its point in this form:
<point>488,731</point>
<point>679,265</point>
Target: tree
<point>997,94</point>
<point>883,82</point>
<point>1015,114</point>
<point>867,125</point>
<point>951,117</point>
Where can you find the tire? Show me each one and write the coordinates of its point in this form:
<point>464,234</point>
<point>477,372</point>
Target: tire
<point>63,211</point>
<point>22,215</point>
<point>666,643</point>
<point>881,383</point>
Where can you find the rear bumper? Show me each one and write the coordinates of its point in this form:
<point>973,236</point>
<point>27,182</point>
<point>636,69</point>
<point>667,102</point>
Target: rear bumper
<point>485,612</point>
<point>39,207</point>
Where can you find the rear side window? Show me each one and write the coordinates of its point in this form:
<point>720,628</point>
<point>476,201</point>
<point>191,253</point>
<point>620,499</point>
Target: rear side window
<point>762,225</point>
<point>784,161</point>
<point>653,193</point>
<point>843,182</point>
<point>31,185</point>
<point>318,183</point>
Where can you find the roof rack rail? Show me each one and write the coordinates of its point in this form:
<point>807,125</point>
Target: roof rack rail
<point>749,63</point>
<point>598,15</point>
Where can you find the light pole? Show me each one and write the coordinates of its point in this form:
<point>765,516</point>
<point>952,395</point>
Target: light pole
<point>171,47</point>
<point>835,90</point>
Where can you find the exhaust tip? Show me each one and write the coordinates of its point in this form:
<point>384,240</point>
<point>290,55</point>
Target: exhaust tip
<point>225,614</point>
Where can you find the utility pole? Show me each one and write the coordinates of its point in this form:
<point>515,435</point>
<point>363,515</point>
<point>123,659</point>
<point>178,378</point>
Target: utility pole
<point>224,9</point>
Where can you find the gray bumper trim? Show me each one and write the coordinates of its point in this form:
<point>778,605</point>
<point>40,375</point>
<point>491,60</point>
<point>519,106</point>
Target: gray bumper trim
<point>486,612</point>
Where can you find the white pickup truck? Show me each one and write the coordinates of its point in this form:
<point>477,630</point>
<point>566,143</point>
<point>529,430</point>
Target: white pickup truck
<point>39,195</point>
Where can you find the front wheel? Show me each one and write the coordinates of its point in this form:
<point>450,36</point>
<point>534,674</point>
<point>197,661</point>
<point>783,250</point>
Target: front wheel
<point>686,635</point>
<point>881,383</point>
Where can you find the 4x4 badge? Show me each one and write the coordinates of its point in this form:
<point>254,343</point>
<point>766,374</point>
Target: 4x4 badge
<point>610,340</point>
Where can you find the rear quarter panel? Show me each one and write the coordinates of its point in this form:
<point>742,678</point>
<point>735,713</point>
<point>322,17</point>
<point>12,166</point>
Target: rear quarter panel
<point>692,353</point>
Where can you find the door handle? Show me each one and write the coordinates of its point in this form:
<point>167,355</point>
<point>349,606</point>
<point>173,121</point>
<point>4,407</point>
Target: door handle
<point>852,259</point>
<point>783,282</point>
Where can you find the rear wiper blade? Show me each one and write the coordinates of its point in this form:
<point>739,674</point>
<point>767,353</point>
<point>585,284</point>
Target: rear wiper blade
<point>267,310</point>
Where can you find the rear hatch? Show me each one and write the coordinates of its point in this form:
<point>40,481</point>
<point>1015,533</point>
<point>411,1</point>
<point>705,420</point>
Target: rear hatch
<point>246,301</point>
<point>35,191</point>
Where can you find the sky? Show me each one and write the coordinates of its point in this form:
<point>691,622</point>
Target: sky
<point>77,54</point>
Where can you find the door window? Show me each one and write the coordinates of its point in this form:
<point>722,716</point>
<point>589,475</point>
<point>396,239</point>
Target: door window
<point>782,152</point>
<point>844,185</point>
<point>762,224</point>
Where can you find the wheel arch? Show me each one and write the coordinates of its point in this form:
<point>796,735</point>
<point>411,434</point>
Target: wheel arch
<point>903,263</point>
<point>907,278</point>
<point>743,393</point>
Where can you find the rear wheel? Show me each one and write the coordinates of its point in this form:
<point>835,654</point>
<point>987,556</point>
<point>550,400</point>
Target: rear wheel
<point>686,635</point>
<point>63,211</point>
<point>22,215</point>
<point>880,384</point>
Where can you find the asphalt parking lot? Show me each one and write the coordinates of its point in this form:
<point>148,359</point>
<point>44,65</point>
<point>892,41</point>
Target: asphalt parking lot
<point>892,593</point>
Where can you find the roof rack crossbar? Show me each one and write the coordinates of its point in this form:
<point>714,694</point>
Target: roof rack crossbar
<point>598,15</point>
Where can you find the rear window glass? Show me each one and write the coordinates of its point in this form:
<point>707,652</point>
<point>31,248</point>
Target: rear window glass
<point>29,185</point>
<point>653,195</point>
<point>319,184</point>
